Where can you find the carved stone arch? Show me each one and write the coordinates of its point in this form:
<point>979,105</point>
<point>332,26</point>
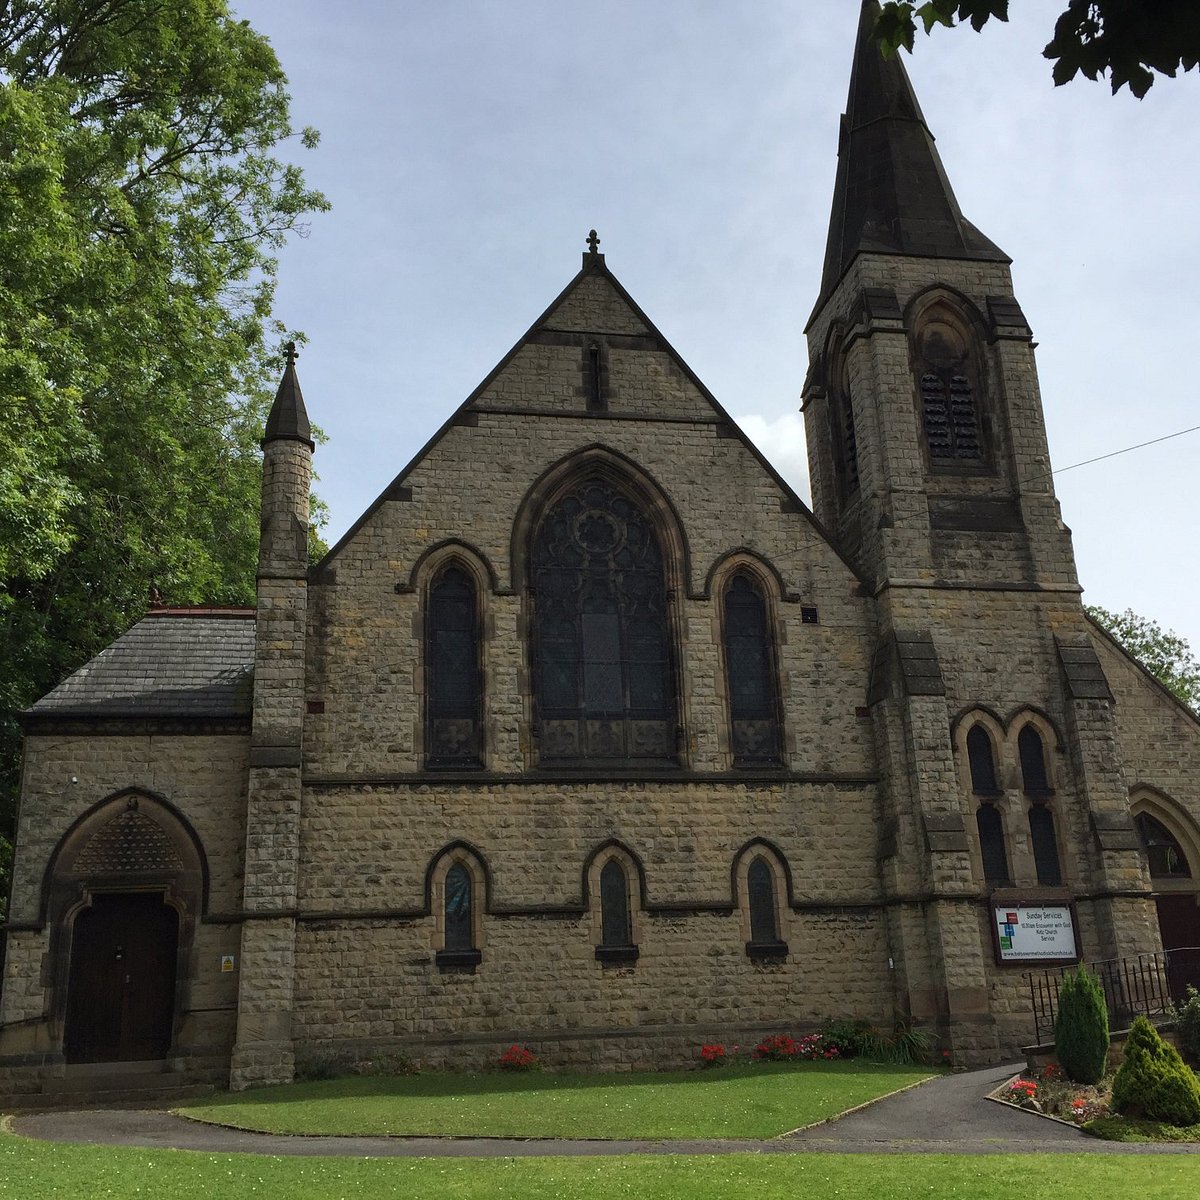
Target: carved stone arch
<point>742,558</point>
<point>597,899</point>
<point>458,938</point>
<point>842,427</point>
<point>133,855</point>
<point>920,304</point>
<point>960,731</point>
<point>747,881</point>
<point>434,558</point>
<point>620,470</point>
<point>1176,896</point>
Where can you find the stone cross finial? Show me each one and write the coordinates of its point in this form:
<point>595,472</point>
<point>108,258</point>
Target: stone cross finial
<point>593,242</point>
<point>291,354</point>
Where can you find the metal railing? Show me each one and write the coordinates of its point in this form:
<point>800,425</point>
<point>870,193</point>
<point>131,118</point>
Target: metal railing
<point>1138,985</point>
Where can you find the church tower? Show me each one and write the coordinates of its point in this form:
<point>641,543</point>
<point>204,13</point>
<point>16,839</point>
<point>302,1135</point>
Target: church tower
<point>263,1052</point>
<point>1003,780</point>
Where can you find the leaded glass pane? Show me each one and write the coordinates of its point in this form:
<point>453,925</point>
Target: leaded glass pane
<point>750,663</point>
<point>1033,761</point>
<point>614,905</point>
<point>760,887</point>
<point>982,762</point>
<point>991,844</point>
<point>459,931</point>
<point>603,669</point>
<point>453,697</point>
<point>1045,846</point>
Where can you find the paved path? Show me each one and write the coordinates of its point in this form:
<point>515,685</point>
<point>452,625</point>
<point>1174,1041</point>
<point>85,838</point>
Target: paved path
<point>947,1115</point>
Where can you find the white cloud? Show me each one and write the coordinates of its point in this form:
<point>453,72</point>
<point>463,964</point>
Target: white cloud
<point>781,439</point>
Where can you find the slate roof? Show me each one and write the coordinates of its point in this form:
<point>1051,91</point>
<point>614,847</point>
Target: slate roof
<point>288,418</point>
<point>172,663</point>
<point>892,195</point>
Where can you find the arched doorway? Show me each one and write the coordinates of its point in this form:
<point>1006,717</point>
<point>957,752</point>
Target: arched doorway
<point>1174,860</point>
<point>123,894</point>
<point>121,989</point>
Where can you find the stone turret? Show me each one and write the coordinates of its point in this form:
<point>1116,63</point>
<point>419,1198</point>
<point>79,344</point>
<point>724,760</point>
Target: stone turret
<point>263,1053</point>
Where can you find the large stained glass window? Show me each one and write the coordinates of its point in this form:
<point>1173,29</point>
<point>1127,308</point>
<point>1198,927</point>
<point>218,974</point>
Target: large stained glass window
<point>603,664</point>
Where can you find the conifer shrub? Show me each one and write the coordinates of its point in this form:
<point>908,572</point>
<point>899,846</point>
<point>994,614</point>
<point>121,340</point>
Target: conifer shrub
<point>1187,1027</point>
<point>1153,1082</point>
<point>1081,1030</point>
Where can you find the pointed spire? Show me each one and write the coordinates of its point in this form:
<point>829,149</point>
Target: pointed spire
<point>288,419</point>
<point>891,195</point>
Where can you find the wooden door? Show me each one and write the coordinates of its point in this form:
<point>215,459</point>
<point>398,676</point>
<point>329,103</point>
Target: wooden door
<point>121,994</point>
<point>1179,924</point>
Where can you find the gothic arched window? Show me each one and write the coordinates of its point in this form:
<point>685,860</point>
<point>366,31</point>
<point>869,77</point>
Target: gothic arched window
<point>749,662</point>
<point>843,435</point>
<point>604,674</point>
<point>614,905</point>
<point>1045,845</point>
<point>460,933</point>
<point>949,403</point>
<point>1032,753</point>
<point>991,844</point>
<point>982,762</point>
<point>453,693</point>
<point>760,888</point>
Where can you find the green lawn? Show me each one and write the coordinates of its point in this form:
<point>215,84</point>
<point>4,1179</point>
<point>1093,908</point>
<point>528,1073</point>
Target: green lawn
<point>758,1101</point>
<point>41,1171</point>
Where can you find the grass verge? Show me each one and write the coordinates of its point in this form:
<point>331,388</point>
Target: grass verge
<point>1126,1129</point>
<point>46,1171</point>
<point>758,1101</point>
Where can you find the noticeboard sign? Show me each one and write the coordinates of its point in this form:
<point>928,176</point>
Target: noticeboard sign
<point>1035,933</point>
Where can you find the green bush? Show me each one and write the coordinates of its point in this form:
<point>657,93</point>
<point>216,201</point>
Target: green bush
<point>1153,1081</point>
<point>1187,1027</point>
<point>1081,1030</point>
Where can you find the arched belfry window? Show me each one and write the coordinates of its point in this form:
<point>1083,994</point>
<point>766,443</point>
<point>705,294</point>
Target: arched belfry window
<point>991,845</point>
<point>750,665</point>
<point>843,435</point>
<point>948,386</point>
<point>1032,753</point>
<point>982,762</point>
<point>1167,857</point>
<point>453,708</point>
<point>603,664</point>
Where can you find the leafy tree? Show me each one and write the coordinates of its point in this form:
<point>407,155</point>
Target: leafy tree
<point>1128,39</point>
<point>1163,653</point>
<point>141,201</point>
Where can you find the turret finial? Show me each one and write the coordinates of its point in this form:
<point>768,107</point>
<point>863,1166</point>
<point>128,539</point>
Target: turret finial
<point>593,242</point>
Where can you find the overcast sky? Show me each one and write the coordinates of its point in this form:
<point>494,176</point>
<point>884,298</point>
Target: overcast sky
<point>468,146</point>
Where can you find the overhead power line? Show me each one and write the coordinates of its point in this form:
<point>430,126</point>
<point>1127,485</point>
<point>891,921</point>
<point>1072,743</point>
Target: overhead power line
<point>1152,442</point>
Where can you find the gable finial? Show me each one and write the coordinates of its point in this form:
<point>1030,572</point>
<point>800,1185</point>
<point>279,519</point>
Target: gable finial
<point>593,242</point>
<point>291,353</point>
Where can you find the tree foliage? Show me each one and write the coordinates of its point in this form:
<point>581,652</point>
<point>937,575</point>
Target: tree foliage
<point>1163,653</point>
<point>141,201</point>
<point>1153,1082</point>
<point>1129,40</point>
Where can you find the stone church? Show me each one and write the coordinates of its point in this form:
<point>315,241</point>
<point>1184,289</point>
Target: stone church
<point>591,735</point>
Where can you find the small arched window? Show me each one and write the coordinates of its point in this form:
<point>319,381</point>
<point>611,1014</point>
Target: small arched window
<point>946,380</point>
<point>604,675</point>
<point>459,919</point>
<point>982,762</point>
<point>453,693</point>
<point>750,663</point>
<point>765,941</point>
<point>1045,845</point>
<point>616,927</point>
<point>1032,753</point>
<point>991,845</point>
<point>1167,858</point>
<point>843,436</point>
